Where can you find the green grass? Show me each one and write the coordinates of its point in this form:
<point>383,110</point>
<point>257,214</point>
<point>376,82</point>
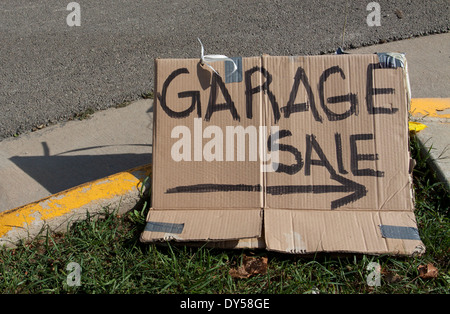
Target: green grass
<point>113,260</point>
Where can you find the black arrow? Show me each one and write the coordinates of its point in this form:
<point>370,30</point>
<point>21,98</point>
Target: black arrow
<point>346,186</point>
<point>206,188</point>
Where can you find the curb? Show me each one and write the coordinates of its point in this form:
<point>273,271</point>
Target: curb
<point>434,116</point>
<point>430,107</point>
<point>120,191</point>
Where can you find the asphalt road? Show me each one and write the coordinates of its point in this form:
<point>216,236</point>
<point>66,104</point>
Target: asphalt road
<point>49,71</point>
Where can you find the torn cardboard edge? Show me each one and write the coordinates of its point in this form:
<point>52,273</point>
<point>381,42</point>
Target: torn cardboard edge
<point>240,207</point>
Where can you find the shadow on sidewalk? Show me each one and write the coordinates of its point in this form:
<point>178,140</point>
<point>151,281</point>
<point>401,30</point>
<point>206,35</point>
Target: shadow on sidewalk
<point>60,172</point>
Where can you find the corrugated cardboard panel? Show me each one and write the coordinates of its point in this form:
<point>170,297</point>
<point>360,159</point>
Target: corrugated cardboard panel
<point>332,130</point>
<point>193,111</point>
<point>338,153</point>
<point>202,225</point>
<point>309,231</point>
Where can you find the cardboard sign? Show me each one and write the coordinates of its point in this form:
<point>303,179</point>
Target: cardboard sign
<point>293,154</point>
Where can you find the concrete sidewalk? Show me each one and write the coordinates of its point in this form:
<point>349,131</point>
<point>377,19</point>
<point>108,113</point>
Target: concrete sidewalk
<point>39,167</point>
<point>60,157</point>
<point>435,138</point>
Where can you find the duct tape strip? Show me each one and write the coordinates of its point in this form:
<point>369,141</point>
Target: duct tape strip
<point>233,70</point>
<point>164,227</point>
<point>396,60</point>
<point>399,232</point>
<point>392,59</point>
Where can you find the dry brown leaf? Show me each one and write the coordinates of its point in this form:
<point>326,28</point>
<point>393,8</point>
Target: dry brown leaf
<point>427,271</point>
<point>250,266</point>
<point>239,272</point>
<point>390,276</point>
<point>393,277</point>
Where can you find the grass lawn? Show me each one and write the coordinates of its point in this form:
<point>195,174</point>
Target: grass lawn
<point>112,259</point>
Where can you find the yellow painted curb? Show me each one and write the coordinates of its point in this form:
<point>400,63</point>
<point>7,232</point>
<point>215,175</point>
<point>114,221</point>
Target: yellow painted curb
<point>64,202</point>
<point>431,107</point>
